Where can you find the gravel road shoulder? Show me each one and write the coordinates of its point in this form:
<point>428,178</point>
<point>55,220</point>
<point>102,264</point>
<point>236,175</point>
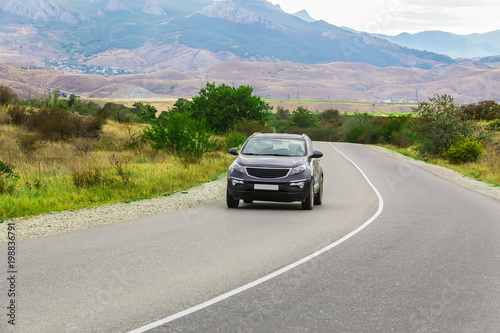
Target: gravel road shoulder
<point>58,222</point>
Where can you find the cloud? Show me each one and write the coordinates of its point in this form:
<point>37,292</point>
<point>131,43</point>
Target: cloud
<point>459,17</point>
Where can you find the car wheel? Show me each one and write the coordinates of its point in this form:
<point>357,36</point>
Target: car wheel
<point>247,201</point>
<point>231,202</point>
<point>318,198</point>
<point>308,204</point>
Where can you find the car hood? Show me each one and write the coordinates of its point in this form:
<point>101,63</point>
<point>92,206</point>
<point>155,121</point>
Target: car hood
<point>271,161</point>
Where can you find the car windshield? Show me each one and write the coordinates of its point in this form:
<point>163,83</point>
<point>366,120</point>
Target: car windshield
<point>274,147</point>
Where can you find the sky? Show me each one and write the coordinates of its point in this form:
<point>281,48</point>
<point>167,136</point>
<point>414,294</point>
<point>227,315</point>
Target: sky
<point>391,17</point>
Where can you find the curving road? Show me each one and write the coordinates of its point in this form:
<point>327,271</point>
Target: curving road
<point>429,260</point>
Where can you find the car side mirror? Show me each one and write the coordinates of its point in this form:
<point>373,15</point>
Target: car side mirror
<point>317,154</point>
<point>233,151</point>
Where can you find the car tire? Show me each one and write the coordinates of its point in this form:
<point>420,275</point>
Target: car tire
<point>308,204</point>
<point>318,197</point>
<point>230,201</point>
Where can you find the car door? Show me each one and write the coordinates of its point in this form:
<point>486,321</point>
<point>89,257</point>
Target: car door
<point>315,164</point>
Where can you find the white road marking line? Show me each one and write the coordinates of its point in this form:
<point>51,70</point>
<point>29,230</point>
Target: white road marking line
<point>278,272</point>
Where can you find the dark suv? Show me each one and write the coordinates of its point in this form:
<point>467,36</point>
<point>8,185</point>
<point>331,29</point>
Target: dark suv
<point>276,167</point>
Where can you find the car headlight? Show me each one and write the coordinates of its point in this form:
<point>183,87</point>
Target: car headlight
<point>236,167</point>
<point>298,169</point>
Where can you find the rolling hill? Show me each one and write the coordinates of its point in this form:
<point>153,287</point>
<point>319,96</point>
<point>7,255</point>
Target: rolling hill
<point>287,81</point>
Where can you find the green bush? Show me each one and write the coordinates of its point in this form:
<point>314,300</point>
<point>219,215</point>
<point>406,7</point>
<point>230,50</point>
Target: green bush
<point>464,150</point>
<point>351,122</point>
<point>494,125</point>
<point>439,124</point>
<point>8,178</point>
<point>390,126</point>
<point>223,106</point>
<point>180,134</point>
<point>401,139</point>
<point>364,134</point>
<point>234,139</point>
<point>303,118</point>
<point>247,128</point>
<point>120,113</point>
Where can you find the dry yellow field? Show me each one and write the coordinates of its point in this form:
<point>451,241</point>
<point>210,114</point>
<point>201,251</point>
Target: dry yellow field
<point>163,104</point>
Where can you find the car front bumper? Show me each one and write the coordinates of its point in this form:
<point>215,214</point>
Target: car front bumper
<point>284,190</point>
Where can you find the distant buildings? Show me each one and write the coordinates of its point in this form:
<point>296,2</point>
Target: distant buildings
<point>395,100</point>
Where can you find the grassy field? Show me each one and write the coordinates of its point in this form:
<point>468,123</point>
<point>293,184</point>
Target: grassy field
<point>78,173</point>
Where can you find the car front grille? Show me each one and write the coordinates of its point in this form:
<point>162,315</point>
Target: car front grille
<point>267,172</point>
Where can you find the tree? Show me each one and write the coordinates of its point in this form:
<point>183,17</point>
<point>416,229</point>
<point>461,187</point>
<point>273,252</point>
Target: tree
<point>223,106</point>
<point>303,118</point>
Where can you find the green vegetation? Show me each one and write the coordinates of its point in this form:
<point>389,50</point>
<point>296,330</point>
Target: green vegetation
<point>59,154</point>
<point>223,106</point>
<point>462,137</point>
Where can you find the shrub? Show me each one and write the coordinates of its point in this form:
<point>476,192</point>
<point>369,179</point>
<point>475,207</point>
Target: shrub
<point>464,150</point>
<point>364,134</point>
<point>401,139</point>
<point>484,110</point>
<point>494,125</point>
<point>180,134</point>
<point>391,125</point>
<point>8,178</point>
<point>303,118</point>
<point>146,112</point>
<point>119,113</point>
<point>19,114</point>
<point>234,139</point>
<point>247,128</point>
<point>350,123</point>
<point>30,143</point>
<point>440,123</point>
<point>6,95</point>
<point>330,116</point>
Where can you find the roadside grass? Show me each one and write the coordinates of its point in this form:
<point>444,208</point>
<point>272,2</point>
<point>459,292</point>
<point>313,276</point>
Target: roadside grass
<point>82,173</point>
<point>487,169</point>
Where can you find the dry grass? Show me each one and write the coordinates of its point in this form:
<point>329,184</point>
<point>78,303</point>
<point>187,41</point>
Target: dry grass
<point>487,169</point>
<point>82,172</point>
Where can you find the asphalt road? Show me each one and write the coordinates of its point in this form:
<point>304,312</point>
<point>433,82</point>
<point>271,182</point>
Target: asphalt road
<point>429,262</point>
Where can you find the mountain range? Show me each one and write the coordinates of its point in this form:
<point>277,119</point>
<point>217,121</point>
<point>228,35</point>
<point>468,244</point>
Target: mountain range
<point>197,36</point>
<point>155,32</point>
<point>452,45</point>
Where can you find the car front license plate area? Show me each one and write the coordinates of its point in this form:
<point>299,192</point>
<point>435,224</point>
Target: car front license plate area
<point>266,187</point>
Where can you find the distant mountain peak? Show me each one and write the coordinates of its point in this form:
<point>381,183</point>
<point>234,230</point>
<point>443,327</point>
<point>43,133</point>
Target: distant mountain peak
<point>115,5</point>
<point>304,15</point>
<point>231,12</point>
<point>152,7</point>
<point>43,10</point>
